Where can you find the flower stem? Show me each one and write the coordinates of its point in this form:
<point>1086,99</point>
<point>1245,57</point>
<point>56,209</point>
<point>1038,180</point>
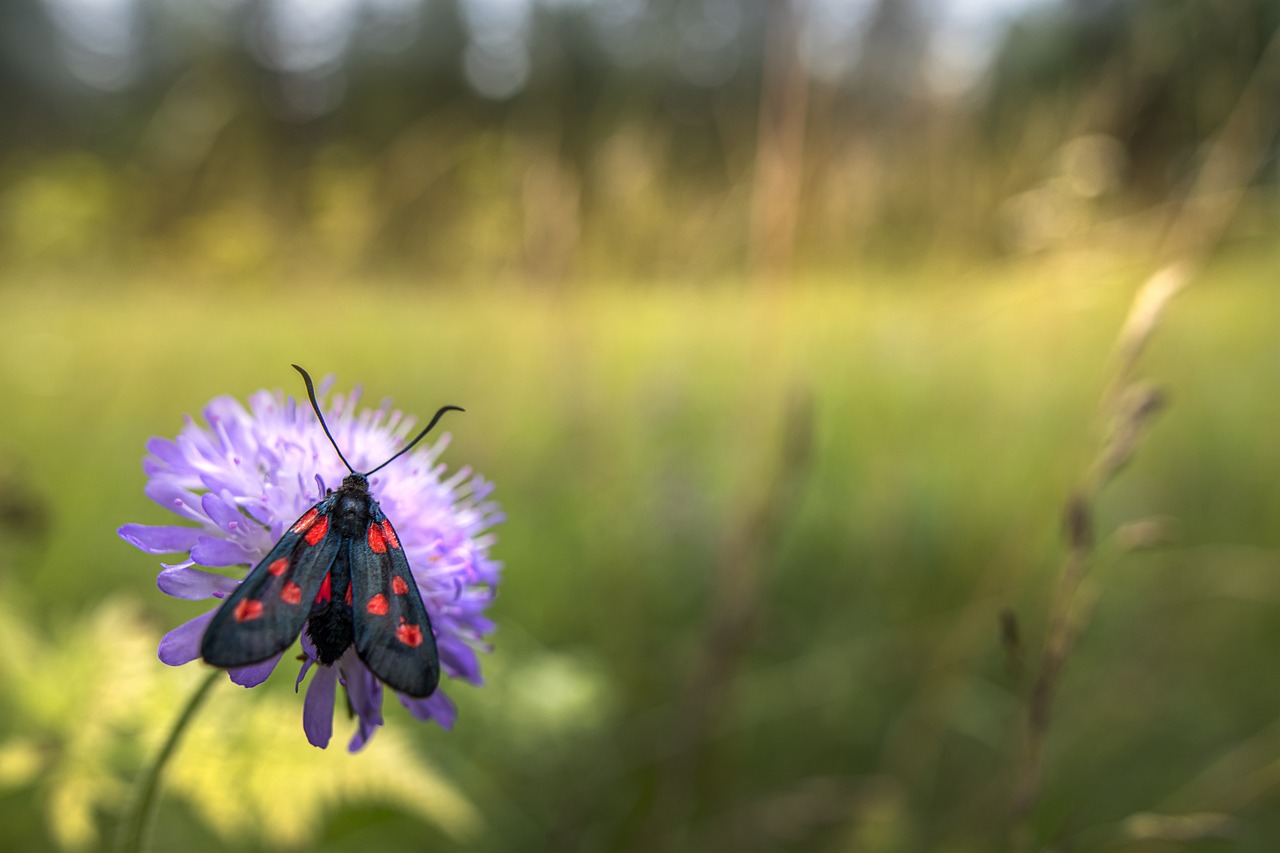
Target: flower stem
<point>137,824</point>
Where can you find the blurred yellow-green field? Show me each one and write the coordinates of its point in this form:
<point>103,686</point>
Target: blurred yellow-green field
<point>634,433</point>
<point>881,396</point>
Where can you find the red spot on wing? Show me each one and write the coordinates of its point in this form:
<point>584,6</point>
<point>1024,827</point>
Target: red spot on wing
<point>410,635</point>
<point>398,586</point>
<point>277,567</point>
<point>390,534</point>
<point>291,593</point>
<point>325,592</point>
<point>378,605</point>
<point>301,525</point>
<point>348,595</point>
<point>318,530</point>
<point>248,609</point>
<point>376,540</point>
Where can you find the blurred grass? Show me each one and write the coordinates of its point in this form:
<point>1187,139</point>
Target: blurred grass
<point>628,428</point>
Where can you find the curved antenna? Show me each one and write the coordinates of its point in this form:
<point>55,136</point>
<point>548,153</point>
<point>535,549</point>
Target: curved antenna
<point>420,436</point>
<point>311,392</point>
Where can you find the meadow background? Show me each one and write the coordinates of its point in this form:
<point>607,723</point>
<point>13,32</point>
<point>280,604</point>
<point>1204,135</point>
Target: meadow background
<point>787,332</point>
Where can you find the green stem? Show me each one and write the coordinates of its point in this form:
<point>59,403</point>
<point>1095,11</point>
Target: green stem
<point>137,825</point>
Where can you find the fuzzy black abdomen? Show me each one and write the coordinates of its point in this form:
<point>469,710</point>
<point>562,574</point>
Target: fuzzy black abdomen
<point>330,625</point>
<point>331,633</point>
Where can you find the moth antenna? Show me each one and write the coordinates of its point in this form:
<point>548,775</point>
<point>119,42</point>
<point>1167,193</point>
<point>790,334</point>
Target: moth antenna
<point>419,437</point>
<point>311,393</point>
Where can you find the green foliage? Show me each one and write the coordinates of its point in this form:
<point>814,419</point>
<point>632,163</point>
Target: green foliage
<point>630,432</point>
<point>89,705</point>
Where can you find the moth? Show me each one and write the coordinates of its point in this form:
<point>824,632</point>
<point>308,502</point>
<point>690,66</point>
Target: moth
<point>341,571</point>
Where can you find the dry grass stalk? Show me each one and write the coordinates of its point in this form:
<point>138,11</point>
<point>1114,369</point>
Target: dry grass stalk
<point>1128,406</point>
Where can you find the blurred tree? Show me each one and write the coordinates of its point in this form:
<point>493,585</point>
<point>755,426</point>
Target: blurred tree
<point>1159,76</point>
<point>669,137</point>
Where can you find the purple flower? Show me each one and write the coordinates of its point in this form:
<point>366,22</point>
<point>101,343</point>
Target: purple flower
<point>247,475</point>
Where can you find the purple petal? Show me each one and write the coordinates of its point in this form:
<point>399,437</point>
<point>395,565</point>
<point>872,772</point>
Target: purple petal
<point>167,452</point>
<point>193,584</point>
<point>481,624</point>
<point>197,446</point>
<point>224,407</point>
<point>174,498</point>
<point>182,644</point>
<point>317,708</point>
<point>210,551</point>
<point>222,512</point>
<point>252,676</point>
<point>364,734</point>
<point>458,659</point>
<point>307,660</point>
<point>160,540</point>
<point>365,693</point>
<point>437,706</point>
<point>218,482</point>
<point>261,512</point>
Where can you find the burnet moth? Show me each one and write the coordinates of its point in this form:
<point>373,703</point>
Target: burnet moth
<point>341,570</point>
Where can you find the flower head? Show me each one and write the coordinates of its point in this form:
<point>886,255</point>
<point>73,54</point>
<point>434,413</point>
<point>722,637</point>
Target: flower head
<point>246,475</point>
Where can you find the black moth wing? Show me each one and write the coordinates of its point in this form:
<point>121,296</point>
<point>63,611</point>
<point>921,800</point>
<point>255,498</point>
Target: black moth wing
<point>393,633</point>
<point>266,612</point>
